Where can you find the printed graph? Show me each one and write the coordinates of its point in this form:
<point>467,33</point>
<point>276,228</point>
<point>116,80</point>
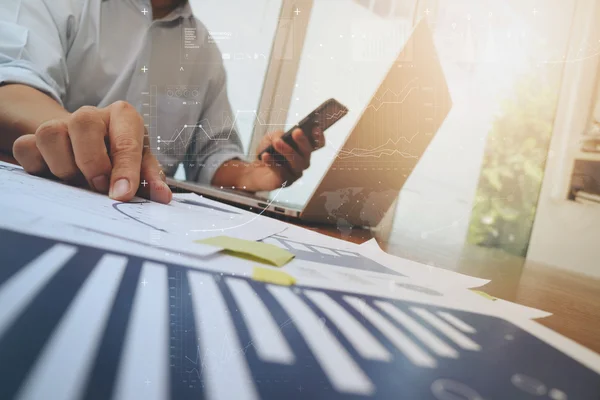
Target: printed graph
<point>108,325</point>
<point>326,255</point>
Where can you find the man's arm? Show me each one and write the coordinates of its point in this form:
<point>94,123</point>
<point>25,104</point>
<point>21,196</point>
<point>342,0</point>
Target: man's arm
<point>22,110</point>
<point>103,147</point>
<point>34,42</point>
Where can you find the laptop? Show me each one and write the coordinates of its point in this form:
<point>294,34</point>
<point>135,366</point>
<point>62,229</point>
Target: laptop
<point>383,148</point>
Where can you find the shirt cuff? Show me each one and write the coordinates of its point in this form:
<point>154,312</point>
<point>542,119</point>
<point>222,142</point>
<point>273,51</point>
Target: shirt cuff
<point>213,162</point>
<point>22,72</point>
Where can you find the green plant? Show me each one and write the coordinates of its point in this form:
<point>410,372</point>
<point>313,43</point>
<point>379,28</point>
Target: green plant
<point>513,169</point>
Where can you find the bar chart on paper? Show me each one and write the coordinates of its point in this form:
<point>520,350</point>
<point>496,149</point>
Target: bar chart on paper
<point>82,322</point>
<point>327,255</point>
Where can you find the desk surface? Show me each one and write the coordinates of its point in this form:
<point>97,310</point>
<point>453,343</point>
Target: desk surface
<point>574,300</point>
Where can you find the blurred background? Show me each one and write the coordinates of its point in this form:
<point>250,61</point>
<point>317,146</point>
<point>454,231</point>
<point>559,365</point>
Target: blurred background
<point>515,168</point>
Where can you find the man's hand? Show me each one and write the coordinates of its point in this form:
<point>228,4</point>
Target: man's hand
<point>105,147</point>
<point>270,174</point>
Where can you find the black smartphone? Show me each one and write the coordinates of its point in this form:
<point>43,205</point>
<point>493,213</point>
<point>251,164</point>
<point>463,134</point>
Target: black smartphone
<point>324,116</point>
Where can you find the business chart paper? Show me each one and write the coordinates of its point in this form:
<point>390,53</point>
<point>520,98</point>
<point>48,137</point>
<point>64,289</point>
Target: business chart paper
<point>311,246</point>
<point>81,321</point>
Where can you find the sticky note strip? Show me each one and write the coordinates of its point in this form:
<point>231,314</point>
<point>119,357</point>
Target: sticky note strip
<point>263,252</point>
<point>271,276</point>
<point>484,294</point>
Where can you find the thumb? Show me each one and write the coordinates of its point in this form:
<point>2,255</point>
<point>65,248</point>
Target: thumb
<point>268,139</point>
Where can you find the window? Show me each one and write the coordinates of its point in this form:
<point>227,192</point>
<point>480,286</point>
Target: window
<point>481,175</point>
<point>244,31</point>
<point>585,178</point>
<point>348,48</point>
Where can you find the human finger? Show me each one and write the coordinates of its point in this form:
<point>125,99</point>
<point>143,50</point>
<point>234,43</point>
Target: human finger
<point>126,135</point>
<point>318,137</point>
<point>274,135</point>
<point>296,162</point>
<point>302,142</point>
<point>52,140</point>
<point>285,175</point>
<point>268,140</point>
<point>28,155</point>
<point>88,130</point>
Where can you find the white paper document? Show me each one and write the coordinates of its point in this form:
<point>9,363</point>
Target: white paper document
<point>294,236</point>
<point>311,278</point>
<point>338,320</point>
<point>174,226</point>
<point>415,269</point>
<point>320,260</point>
<point>345,276</point>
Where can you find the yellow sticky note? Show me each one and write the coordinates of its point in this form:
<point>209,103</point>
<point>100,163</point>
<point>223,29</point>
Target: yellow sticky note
<point>263,252</point>
<point>484,294</point>
<point>271,276</point>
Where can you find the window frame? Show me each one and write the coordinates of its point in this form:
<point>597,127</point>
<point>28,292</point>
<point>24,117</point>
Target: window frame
<point>576,100</point>
<point>280,76</point>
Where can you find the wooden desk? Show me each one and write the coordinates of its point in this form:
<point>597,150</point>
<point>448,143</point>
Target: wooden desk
<point>574,300</point>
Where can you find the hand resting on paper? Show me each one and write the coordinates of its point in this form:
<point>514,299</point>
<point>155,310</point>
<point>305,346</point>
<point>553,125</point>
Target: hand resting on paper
<point>105,147</point>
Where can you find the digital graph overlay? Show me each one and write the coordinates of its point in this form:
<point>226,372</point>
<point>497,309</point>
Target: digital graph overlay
<point>408,100</point>
<point>175,141</point>
<point>161,330</point>
<point>411,117</point>
<point>150,111</point>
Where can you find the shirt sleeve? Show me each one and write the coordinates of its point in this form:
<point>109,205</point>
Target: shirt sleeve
<point>216,139</point>
<point>35,40</point>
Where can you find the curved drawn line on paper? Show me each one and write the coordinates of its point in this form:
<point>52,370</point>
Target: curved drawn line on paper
<point>198,204</point>
<point>247,222</point>
<point>116,207</point>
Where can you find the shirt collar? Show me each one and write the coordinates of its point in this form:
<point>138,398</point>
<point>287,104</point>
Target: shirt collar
<point>183,11</point>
